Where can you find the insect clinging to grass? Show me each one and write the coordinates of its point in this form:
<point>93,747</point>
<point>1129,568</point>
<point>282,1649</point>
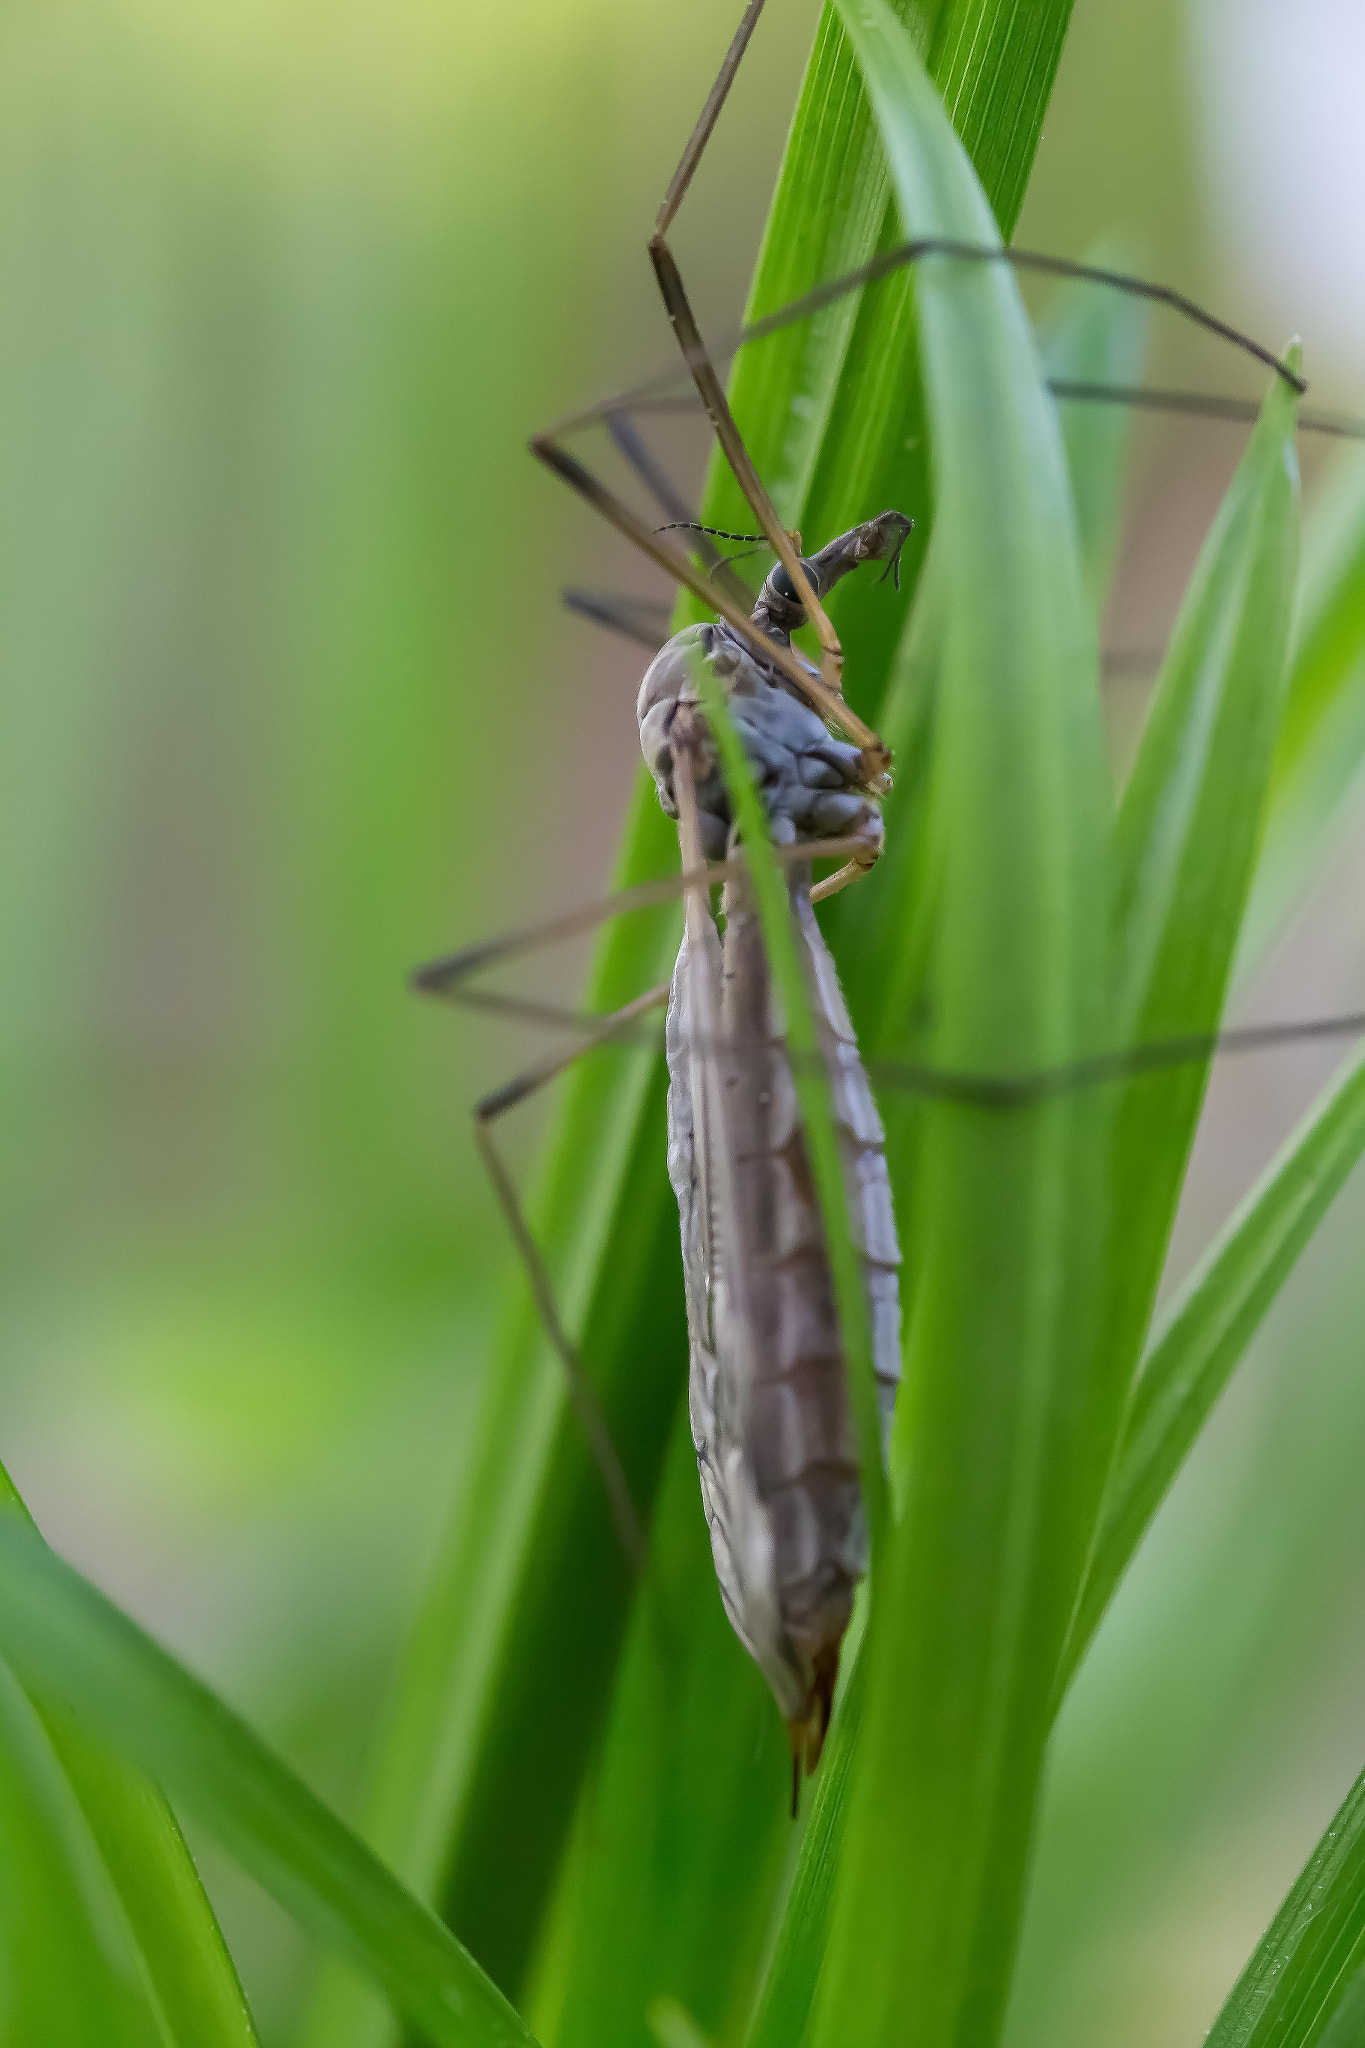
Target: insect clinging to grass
<point>775,1419</point>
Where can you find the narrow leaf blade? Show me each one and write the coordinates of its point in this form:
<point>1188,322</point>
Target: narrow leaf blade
<point>1322,742</point>
<point>182,1948</point>
<point>1310,1956</point>
<point>1204,1334</point>
<point>1000,1438</point>
<point>66,1641</point>
<point>70,1974</point>
<point>1186,838</point>
<point>186,1959</point>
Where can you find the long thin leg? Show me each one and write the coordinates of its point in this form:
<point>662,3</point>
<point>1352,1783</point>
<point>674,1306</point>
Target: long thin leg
<point>852,871</point>
<point>632,445</point>
<point>1157,1056</point>
<point>1026,259</point>
<point>826,696</point>
<point>655,397</point>
<point>448,976</point>
<point>827,702</point>
<point>634,618</point>
<point>706,120</point>
<point>657,391</point>
<point>1207,405</point>
<point>585,1402</point>
<point>746,476</point>
<point>643,461</point>
<point>703,372</point>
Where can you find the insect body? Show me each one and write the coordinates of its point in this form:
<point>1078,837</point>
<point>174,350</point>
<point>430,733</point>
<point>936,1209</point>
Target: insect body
<point>776,1445</point>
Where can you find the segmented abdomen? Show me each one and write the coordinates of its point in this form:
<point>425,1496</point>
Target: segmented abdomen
<point>776,1446</point>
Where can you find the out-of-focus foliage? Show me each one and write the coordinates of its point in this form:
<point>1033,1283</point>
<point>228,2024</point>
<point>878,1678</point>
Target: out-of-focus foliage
<point>71,1645</point>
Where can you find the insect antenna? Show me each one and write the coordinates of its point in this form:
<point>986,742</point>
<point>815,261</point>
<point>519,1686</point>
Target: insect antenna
<point>695,526</point>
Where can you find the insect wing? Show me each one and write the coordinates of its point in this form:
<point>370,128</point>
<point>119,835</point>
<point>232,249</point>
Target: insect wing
<point>693,1106</point>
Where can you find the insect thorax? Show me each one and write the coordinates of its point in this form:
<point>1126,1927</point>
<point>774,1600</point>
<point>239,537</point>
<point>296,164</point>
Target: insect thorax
<point>812,785</point>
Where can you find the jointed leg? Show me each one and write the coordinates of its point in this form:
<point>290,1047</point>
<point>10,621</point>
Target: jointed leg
<point>449,977</point>
<point>631,444</point>
<point>827,702</point>
<point>785,545</point>
<point>826,695</point>
<point>586,1404</point>
<point>654,393</point>
<point>852,871</point>
<point>706,120</point>
<point>634,618</point>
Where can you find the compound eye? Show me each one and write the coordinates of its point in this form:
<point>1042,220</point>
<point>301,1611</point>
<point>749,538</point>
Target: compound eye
<point>781,582</point>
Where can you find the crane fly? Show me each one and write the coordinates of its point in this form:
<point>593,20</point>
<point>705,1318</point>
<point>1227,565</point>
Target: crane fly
<point>770,1406</point>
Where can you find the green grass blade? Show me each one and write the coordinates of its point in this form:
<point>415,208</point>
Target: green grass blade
<point>674,2027</point>
<point>1087,335</point>
<point>1091,335</point>
<point>832,207</point>
<point>66,1641</point>
<point>1322,741</point>
<point>1309,1959</point>
<point>1204,1333</point>
<point>70,1972</point>
<point>884,931</point>
<point>789,1987</point>
<point>528,1597</point>
<point>186,1959</point>
<point>1346,2027</point>
<point>685,1830</point>
<point>1005,1433</point>
<point>182,1948</point>
<point>1186,838</point>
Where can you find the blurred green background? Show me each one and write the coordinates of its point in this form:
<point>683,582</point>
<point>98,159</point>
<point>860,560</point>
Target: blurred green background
<point>289,704</point>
